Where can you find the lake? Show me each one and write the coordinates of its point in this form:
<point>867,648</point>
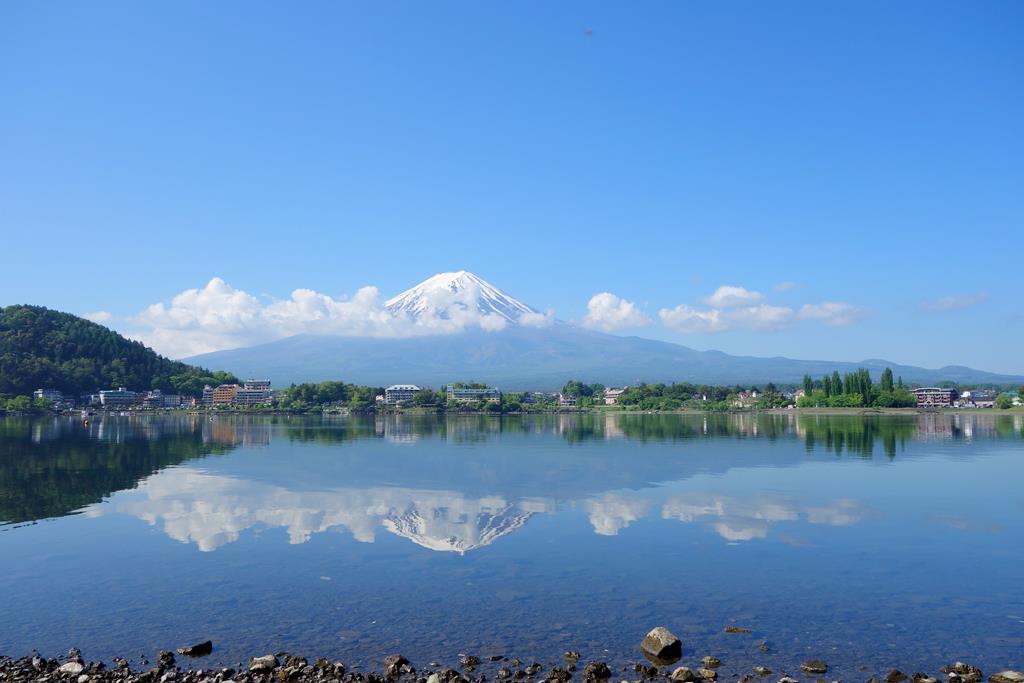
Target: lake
<point>870,542</point>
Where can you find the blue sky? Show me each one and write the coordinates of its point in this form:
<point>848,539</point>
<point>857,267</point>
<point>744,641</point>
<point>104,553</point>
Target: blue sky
<point>871,153</point>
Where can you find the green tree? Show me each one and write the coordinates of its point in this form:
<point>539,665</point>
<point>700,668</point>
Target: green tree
<point>837,384</point>
<point>1004,401</point>
<point>886,381</point>
<point>809,385</point>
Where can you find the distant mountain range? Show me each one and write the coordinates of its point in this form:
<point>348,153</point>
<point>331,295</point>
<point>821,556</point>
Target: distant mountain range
<point>525,351</point>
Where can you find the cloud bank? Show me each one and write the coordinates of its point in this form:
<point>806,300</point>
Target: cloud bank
<point>219,316</point>
<point>607,312</point>
<point>736,308</point>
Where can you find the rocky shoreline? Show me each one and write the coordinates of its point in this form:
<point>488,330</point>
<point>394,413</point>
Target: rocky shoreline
<point>661,649</point>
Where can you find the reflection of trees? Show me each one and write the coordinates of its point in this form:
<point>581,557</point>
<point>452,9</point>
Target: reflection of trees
<point>857,434</point>
<point>52,467</point>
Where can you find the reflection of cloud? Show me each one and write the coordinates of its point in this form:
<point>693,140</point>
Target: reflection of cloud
<point>212,510</point>
<point>965,523</point>
<point>611,513</point>
<point>735,519</point>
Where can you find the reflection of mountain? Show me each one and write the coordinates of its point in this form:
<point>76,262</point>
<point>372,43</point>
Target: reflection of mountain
<point>212,510</point>
<point>446,493</point>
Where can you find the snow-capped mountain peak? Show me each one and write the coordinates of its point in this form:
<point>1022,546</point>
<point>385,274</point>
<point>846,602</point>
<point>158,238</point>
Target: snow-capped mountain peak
<point>449,294</point>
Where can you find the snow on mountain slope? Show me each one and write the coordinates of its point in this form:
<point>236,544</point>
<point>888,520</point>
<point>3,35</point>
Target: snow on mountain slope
<point>450,295</point>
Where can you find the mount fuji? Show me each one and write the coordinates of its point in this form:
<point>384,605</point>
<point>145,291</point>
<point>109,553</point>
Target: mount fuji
<point>446,294</point>
<point>460,327</point>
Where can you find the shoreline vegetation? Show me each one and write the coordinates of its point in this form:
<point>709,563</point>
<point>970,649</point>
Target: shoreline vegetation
<point>661,650</point>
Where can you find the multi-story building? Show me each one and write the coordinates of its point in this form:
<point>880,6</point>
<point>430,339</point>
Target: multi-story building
<point>224,395</point>
<point>244,396</point>
<point>158,399</point>
<point>51,395</point>
<point>400,392</point>
<point>207,399</point>
<point>566,401</point>
<point>253,392</point>
<point>465,394</point>
<point>934,396</point>
<point>611,396</point>
<point>118,397</point>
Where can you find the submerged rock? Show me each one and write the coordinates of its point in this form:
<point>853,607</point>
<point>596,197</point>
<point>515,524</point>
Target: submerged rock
<point>707,674</point>
<point>662,644</point>
<point>469,661</point>
<point>197,650</point>
<point>737,629</point>
<point>712,662</point>
<point>814,666</point>
<point>895,676</point>
<point>762,671</point>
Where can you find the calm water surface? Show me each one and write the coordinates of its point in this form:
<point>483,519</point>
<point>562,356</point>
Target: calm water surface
<point>869,542</point>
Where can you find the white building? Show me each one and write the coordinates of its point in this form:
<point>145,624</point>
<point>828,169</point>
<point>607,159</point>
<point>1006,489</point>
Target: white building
<point>455,393</point>
<point>117,397</point>
<point>51,395</point>
<point>611,396</point>
<point>400,392</point>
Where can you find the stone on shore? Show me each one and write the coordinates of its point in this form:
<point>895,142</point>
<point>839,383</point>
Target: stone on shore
<point>707,674</point>
<point>259,665</point>
<point>596,671</point>
<point>1007,677</point>
<point>814,666</point>
<point>661,643</point>
<point>72,668</point>
<point>394,664</point>
<point>683,674</point>
<point>197,650</point>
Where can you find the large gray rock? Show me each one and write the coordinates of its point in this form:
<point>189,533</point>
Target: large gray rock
<point>259,665</point>
<point>660,643</point>
<point>1007,677</point>
<point>72,668</point>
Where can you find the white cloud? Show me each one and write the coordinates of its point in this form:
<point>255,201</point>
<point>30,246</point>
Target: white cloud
<point>761,317</point>
<point>219,316</point>
<point>728,295</point>
<point>605,311</point>
<point>690,320</point>
<point>955,302</point>
<point>98,316</point>
<point>786,285</point>
<point>834,313</point>
<point>538,319</point>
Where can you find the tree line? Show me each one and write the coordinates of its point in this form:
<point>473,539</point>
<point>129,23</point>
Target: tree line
<point>855,390</point>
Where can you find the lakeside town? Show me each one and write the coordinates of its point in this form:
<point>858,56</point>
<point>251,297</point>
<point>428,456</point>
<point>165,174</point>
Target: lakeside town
<point>258,395</point>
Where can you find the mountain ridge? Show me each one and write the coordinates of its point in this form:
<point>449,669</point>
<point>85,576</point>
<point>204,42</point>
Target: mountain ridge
<point>542,358</point>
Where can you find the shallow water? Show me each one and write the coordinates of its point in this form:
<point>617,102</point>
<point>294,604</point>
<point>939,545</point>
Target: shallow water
<point>868,542</point>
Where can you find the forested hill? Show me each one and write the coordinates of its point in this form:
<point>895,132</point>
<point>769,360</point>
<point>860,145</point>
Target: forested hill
<point>41,348</point>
